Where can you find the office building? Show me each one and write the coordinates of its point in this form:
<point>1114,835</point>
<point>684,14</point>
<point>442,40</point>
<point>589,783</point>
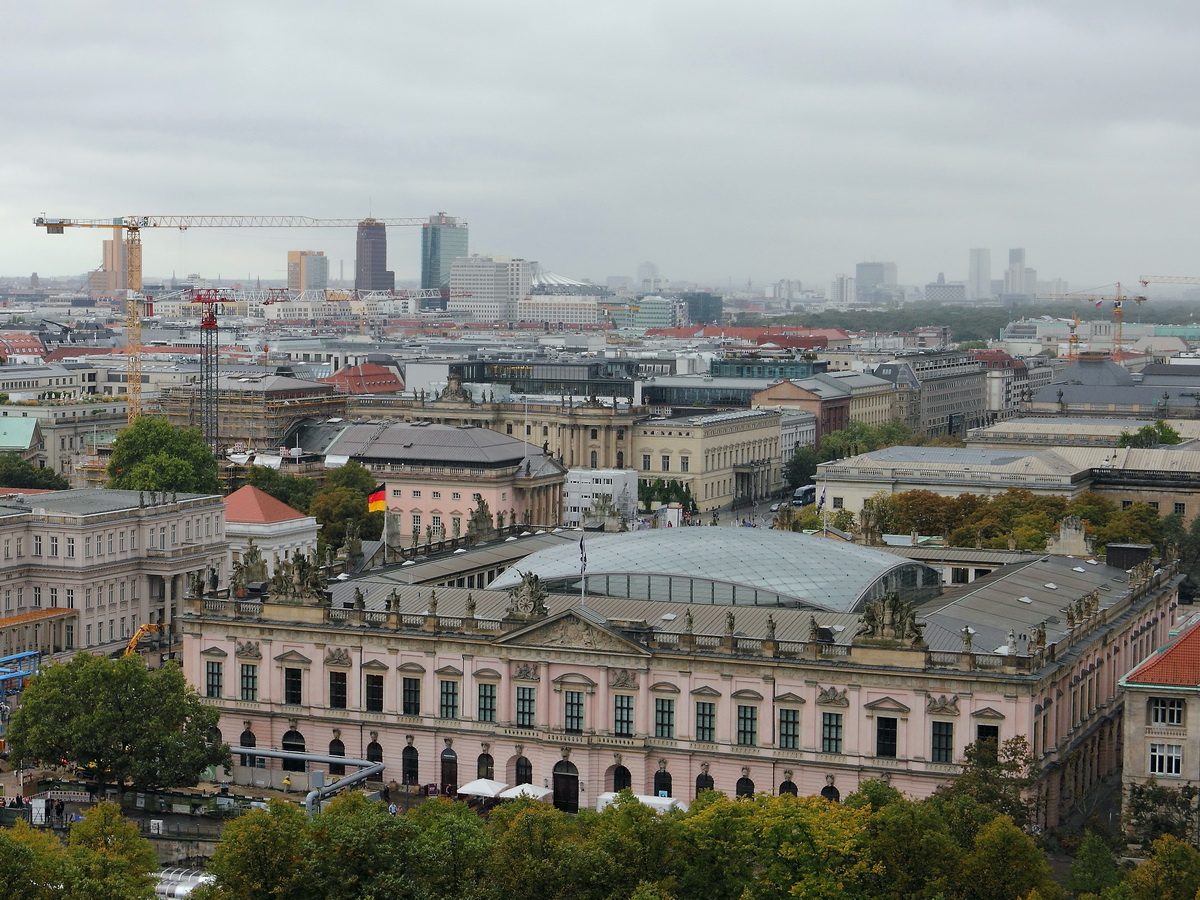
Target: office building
<point>495,285</point>
<point>842,291</point>
<point>979,276</point>
<point>875,280</point>
<point>370,263</point>
<point>1019,280</point>
<point>443,240</point>
<point>307,270</point>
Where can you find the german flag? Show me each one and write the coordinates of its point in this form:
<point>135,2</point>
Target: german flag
<point>377,500</point>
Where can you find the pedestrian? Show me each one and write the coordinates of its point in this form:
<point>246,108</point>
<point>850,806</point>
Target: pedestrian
<point>392,808</point>
<point>59,808</point>
<point>386,794</point>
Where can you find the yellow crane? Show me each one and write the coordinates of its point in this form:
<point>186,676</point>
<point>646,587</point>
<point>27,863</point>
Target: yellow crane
<point>1169,279</point>
<point>142,631</point>
<point>1118,315</point>
<point>131,228</point>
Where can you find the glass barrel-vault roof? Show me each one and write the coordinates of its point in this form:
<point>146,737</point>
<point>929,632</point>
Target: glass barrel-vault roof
<point>814,571</point>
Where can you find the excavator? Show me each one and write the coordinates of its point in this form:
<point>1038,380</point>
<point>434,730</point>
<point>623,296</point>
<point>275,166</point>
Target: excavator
<point>142,631</point>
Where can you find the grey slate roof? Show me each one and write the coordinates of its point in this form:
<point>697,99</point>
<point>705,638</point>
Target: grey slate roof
<point>428,443</point>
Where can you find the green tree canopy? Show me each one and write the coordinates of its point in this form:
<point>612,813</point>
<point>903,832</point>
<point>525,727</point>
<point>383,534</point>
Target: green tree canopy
<point>1157,434</point>
<point>294,490</point>
<point>16,472</point>
<point>1094,869</point>
<point>801,469</point>
<point>137,726</point>
<point>153,455</point>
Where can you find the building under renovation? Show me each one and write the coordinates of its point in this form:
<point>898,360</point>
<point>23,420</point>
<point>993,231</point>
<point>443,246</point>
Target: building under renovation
<point>255,411</point>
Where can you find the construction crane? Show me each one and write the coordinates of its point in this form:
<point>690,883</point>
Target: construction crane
<point>142,631</point>
<point>131,228</point>
<point>1118,315</point>
<point>1169,279</point>
<point>210,298</point>
<point>1073,340</point>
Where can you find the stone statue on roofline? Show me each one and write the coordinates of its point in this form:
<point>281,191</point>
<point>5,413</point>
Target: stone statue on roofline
<point>887,620</point>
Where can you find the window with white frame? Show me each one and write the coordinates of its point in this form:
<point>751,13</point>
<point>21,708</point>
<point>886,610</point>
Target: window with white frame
<point>1166,759</point>
<point>1166,711</point>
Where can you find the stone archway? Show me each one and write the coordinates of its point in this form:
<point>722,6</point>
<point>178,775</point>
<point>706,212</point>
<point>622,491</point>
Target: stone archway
<point>566,786</point>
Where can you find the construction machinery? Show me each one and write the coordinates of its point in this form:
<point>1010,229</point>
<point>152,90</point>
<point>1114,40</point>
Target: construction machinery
<point>1169,279</point>
<point>130,227</point>
<point>142,631</point>
<point>1118,314</point>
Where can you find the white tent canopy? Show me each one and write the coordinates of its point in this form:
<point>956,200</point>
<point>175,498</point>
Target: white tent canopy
<point>482,787</point>
<point>658,804</point>
<point>527,790</point>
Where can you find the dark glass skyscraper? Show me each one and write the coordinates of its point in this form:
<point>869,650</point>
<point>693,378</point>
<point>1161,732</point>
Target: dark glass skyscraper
<point>443,240</point>
<point>370,263</point>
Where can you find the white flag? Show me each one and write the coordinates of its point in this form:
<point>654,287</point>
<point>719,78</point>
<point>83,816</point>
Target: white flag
<point>582,557</point>
<point>821,502</point>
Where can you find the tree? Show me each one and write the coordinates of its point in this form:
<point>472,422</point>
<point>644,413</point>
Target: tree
<point>1003,864</point>
<point>16,472</point>
<point>453,846</point>
<point>294,490</point>
<point>1094,868</point>
<point>135,725</point>
<point>335,508</point>
<point>1156,435</point>
<point>108,858</point>
<point>1153,810</point>
<point>263,855</point>
<point>997,777</point>
<point>153,455</point>
<point>801,468</point>
<point>361,852</point>
<point>913,852</point>
<point>352,475</point>
<point>1172,872</point>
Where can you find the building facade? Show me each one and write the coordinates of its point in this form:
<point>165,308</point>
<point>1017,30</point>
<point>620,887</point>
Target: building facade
<point>443,240</point>
<point>274,528</point>
<point>307,270</point>
<point>495,285</point>
<point>370,261</point>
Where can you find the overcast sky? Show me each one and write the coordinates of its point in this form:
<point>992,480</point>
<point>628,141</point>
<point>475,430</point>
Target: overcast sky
<point>724,141</point>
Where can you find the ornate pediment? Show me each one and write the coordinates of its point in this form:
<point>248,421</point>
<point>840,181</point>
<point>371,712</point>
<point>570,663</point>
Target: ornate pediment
<point>248,650</point>
<point>293,656</point>
<point>411,668</point>
<point>665,687</point>
<point>338,656</point>
<point>831,696</point>
<point>449,672</point>
<point>213,651</point>
<point>486,675</point>
<point>942,705</point>
<point>705,691</point>
<point>572,679</point>
<point>572,632</point>
<point>887,704</point>
<point>746,694</point>
<point>789,697</point>
<point>374,665</point>
<point>987,713</point>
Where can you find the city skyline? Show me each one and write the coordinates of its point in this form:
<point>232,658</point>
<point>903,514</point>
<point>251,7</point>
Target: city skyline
<point>783,143</point>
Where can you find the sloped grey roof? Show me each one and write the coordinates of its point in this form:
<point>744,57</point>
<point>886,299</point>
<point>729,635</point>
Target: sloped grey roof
<point>429,443</point>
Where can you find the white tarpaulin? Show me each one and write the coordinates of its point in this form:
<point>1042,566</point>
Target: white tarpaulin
<point>658,804</point>
<point>527,790</point>
<point>482,787</point>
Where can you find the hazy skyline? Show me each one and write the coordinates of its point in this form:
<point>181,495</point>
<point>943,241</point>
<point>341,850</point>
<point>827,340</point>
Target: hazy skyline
<point>722,141</point>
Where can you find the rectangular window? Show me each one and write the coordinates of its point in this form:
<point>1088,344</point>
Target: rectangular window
<point>645,462</point>
<point>437,495</point>
<point>416,493</point>
<point>291,687</point>
<point>573,711</point>
<point>747,725</point>
<point>87,598</point>
<point>448,707</point>
<point>70,548</point>
<point>70,636</point>
<point>212,677</point>
<point>87,547</point>
<point>410,696</point>
<point>666,463</point>
<point>943,742</point>
<point>374,693</point>
<point>70,598</point>
<point>53,545</point>
<point>37,597</point>
<point>988,733</point>
<point>1164,711</point>
<point>789,729</point>
<point>837,502</point>
<point>53,597</point>
<point>337,690</point>
<point>885,737</point>
<point>526,707</point>
<point>706,721</point>
<point>684,465</point>
<point>249,682</point>
<point>121,541</point>
<point>664,717</point>
<point>1180,509</point>
<point>1166,759</point>
<point>456,496</point>
<point>831,732</point>
<point>487,703</point>
<point>416,523</point>
<point>20,546</point>
<point>623,715</point>
<point>37,545</point>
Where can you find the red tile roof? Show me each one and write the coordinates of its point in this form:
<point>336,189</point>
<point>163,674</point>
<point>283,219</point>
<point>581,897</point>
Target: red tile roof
<point>1177,663</point>
<point>251,506</point>
<point>367,378</point>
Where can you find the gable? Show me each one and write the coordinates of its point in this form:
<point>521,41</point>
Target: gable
<point>570,632</point>
<point>213,651</point>
<point>374,665</point>
<point>746,694</point>
<point>705,691</point>
<point>789,697</point>
<point>291,656</point>
<point>887,704</point>
<point>411,668</point>
<point>987,713</point>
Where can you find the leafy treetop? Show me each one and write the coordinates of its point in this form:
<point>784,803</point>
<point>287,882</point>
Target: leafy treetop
<point>154,455</point>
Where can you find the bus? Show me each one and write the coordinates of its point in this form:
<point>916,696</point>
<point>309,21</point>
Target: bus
<point>805,496</point>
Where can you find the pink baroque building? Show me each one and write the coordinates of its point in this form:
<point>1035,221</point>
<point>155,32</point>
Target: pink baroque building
<point>675,696</point>
<point>436,476</point>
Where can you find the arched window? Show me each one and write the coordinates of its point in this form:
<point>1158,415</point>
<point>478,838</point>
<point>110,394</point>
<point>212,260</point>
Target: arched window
<point>409,764</point>
<point>374,752</point>
<point>593,459</point>
<point>485,766</point>
<point>704,782</point>
<point>788,787</point>
<point>248,740</point>
<point>620,459</point>
<point>622,780</point>
<point>662,784</point>
<point>337,748</point>
<point>524,771</point>
<point>293,741</point>
<point>449,771</point>
<point>745,787</point>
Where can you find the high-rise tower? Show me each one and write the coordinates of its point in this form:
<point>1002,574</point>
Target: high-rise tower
<point>443,240</point>
<point>370,265</point>
<point>307,270</point>
<point>979,276</point>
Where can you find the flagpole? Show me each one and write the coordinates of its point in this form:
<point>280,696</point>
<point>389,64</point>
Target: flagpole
<point>582,569</point>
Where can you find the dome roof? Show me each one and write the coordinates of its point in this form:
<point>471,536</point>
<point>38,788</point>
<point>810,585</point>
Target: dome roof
<point>743,566</point>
